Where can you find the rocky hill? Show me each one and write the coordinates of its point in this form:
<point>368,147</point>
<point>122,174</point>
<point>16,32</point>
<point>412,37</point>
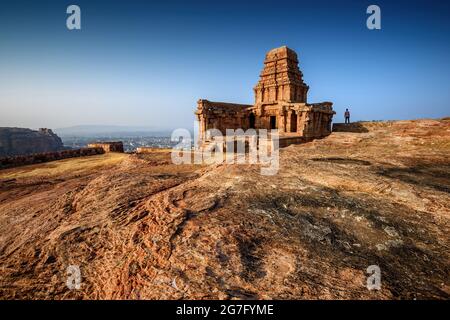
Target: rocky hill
<point>140,227</point>
<point>22,141</point>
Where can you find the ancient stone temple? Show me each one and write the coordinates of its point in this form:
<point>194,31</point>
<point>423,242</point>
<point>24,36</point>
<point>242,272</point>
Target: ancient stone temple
<point>280,103</point>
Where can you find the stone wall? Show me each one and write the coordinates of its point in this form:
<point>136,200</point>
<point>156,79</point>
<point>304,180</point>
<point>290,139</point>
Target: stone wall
<point>114,146</point>
<point>222,116</point>
<point>16,161</point>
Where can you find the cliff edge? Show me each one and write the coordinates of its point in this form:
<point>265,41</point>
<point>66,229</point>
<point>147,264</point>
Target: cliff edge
<point>23,141</point>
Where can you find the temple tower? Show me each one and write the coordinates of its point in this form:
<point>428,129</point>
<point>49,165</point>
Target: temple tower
<point>281,79</point>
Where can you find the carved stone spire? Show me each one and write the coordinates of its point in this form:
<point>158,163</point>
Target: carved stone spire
<point>281,79</point>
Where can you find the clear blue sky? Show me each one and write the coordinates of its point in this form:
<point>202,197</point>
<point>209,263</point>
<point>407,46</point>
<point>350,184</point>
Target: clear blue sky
<point>146,63</point>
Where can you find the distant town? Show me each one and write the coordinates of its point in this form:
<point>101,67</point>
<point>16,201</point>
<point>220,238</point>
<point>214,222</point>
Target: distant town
<point>129,143</point>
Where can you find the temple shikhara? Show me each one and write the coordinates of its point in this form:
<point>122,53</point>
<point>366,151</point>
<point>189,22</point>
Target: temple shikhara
<point>280,103</point>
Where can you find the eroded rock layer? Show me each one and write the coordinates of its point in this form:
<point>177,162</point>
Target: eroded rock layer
<point>140,227</point>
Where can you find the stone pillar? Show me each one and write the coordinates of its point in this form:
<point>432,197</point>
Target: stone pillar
<point>321,124</point>
<point>245,122</point>
<point>203,122</point>
<point>317,123</point>
<point>325,124</point>
<point>301,122</point>
<point>280,122</point>
<point>288,122</point>
<point>308,119</point>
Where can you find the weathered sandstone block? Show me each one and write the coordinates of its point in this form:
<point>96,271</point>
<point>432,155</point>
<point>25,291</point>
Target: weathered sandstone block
<point>114,146</point>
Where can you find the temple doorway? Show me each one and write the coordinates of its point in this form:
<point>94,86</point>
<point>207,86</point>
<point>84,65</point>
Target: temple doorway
<point>293,122</point>
<point>273,122</point>
<point>251,120</point>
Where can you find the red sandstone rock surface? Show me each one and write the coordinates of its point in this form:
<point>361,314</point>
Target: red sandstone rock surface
<point>142,228</point>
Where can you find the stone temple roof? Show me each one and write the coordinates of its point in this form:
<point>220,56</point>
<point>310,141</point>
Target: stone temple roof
<point>280,49</point>
<point>280,53</point>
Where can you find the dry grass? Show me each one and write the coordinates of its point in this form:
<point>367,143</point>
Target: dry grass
<point>73,166</point>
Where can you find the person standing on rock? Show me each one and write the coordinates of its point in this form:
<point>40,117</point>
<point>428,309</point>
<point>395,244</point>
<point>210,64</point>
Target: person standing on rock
<point>347,116</point>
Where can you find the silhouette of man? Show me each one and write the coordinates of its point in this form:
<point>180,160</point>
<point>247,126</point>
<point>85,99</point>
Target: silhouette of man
<point>347,116</point>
